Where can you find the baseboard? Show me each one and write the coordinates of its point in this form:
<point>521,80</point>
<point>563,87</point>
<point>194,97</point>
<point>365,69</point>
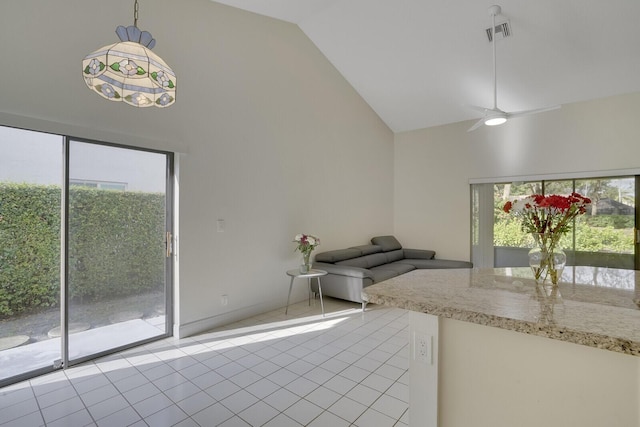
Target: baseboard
<point>206,324</point>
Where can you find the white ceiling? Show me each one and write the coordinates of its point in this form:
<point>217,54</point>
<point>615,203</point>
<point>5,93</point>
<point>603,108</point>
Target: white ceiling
<point>419,63</point>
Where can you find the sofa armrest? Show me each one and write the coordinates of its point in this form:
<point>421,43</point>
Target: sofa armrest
<point>344,270</point>
<point>418,253</point>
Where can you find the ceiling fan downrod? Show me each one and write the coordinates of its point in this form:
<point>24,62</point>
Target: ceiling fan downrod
<point>497,118</point>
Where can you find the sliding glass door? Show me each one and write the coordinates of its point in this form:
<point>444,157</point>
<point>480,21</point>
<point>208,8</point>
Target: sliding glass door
<point>85,250</point>
<point>117,260</point>
<point>30,230</point>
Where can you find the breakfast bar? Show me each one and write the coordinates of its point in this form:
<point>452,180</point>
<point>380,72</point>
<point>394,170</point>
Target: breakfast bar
<point>490,347</point>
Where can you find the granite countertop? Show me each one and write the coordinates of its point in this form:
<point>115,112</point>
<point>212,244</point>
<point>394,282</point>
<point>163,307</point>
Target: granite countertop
<point>593,306</point>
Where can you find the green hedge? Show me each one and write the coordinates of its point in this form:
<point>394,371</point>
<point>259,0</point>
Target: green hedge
<point>115,245</point>
<point>29,247</point>
<point>589,238</point>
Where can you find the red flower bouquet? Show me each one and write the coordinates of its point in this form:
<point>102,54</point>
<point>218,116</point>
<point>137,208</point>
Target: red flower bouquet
<point>548,214</point>
<point>547,218</point>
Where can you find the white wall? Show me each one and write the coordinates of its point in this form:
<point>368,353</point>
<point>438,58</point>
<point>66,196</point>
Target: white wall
<point>433,166</point>
<point>272,139</point>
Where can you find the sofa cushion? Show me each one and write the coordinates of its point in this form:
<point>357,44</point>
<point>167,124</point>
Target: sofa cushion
<point>418,253</point>
<point>380,274</point>
<point>337,255</point>
<point>360,262</point>
<point>395,255</point>
<point>368,261</point>
<point>368,249</point>
<point>398,267</point>
<point>388,243</point>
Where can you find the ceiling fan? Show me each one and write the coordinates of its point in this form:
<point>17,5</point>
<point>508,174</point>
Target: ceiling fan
<point>495,116</point>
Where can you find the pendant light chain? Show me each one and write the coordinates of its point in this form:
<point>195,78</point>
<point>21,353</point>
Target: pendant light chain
<point>135,14</point>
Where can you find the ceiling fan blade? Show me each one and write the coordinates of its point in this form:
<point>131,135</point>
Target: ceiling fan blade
<point>476,125</point>
<point>482,110</point>
<point>535,111</point>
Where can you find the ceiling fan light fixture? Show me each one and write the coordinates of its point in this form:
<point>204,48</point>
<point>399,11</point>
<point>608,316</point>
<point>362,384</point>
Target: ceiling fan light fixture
<point>495,120</point>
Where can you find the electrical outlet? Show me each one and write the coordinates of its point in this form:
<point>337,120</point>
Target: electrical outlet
<point>422,345</point>
<point>224,299</point>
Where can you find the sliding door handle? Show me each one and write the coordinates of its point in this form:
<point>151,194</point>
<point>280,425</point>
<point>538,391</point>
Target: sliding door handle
<point>168,245</point>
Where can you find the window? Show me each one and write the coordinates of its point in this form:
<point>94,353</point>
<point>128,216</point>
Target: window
<point>603,237</point>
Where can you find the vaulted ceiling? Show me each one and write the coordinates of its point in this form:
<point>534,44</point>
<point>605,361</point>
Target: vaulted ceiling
<point>420,63</point>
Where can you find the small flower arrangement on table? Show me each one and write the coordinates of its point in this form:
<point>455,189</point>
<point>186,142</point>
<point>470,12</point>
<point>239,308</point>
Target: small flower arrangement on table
<point>547,218</point>
<point>306,243</point>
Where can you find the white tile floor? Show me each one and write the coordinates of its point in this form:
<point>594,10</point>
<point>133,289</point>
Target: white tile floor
<point>346,369</point>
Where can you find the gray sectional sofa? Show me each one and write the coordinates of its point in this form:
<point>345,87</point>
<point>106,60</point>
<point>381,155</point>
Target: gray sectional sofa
<point>353,269</point>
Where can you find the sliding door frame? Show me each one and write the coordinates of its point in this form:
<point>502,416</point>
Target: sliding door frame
<point>64,267</point>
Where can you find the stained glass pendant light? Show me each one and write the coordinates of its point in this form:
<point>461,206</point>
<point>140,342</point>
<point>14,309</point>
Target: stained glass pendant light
<point>128,71</point>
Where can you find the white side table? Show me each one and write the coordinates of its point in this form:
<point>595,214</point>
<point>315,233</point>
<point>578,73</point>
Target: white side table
<point>309,275</point>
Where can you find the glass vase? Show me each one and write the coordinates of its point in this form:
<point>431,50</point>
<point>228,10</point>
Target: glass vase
<point>547,259</point>
<point>558,259</point>
<point>537,264</point>
<point>305,267</point>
